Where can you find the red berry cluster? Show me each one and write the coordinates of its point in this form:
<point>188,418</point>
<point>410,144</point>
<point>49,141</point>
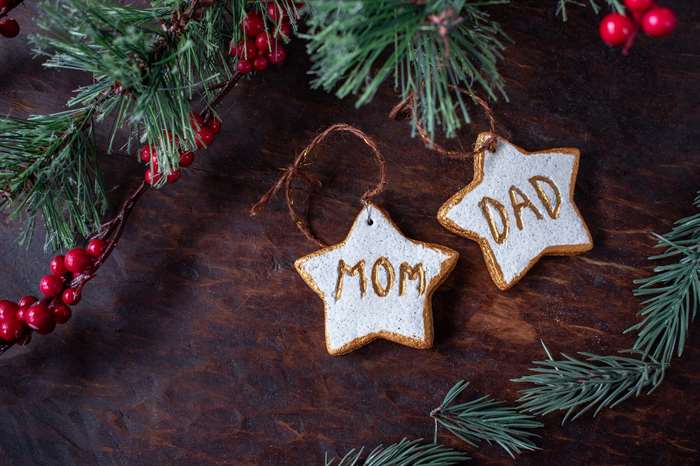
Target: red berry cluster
<point>259,47</point>
<point>620,30</point>
<point>204,136</point>
<point>8,26</point>
<point>30,313</point>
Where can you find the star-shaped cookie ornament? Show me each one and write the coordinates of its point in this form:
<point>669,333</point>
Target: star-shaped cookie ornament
<point>519,207</point>
<point>377,284</point>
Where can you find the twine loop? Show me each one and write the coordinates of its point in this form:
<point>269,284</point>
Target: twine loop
<point>407,106</point>
<point>295,168</point>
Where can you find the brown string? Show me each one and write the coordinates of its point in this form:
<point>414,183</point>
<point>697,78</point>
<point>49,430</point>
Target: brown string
<point>407,105</point>
<point>295,169</point>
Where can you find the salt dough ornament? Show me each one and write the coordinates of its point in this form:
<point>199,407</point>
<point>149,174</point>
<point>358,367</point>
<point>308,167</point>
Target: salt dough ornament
<point>519,207</point>
<point>377,284</point>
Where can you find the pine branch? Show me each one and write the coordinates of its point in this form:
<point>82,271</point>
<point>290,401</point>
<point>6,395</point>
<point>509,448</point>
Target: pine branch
<point>431,48</point>
<point>576,386</point>
<point>404,453</point>
<point>562,6</point>
<point>158,57</point>
<point>485,419</point>
<point>672,294</point>
<point>48,169</point>
<point>147,65</point>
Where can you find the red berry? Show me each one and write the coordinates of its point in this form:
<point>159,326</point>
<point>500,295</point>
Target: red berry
<point>147,153</point>
<point>22,313</point>
<point>286,30</point>
<point>61,313</point>
<point>11,329</point>
<point>150,178</point>
<point>39,317</point>
<point>260,64</point>
<point>174,176</point>
<point>275,12</point>
<point>96,247</point>
<point>277,56</point>
<point>247,50</point>
<point>253,24</point>
<point>196,121</point>
<point>205,137</point>
<point>215,125</point>
<point>71,296</point>
<point>78,260</point>
<point>244,66</point>
<point>57,266</point>
<point>25,301</point>
<point>186,159</point>
<point>50,285</point>
<point>262,41</point>
<point>8,309</point>
<point>639,6</point>
<point>9,27</point>
<point>659,22</point>
<point>615,29</point>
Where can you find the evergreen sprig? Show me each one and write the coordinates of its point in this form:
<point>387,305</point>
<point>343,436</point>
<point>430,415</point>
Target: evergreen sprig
<point>576,386</point>
<point>48,170</point>
<point>404,453</point>
<point>147,64</point>
<point>432,49</point>
<point>486,419</point>
<point>672,294</point>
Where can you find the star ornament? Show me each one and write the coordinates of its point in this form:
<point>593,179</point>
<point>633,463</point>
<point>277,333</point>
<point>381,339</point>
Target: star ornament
<point>377,284</point>
<point>519,207</point>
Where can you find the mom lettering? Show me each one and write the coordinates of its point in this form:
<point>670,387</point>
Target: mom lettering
<point>382,276</point>
<point>496,214</point>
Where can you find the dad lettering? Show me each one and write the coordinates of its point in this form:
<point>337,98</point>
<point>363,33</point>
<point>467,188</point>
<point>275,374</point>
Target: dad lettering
<point>519,201</point>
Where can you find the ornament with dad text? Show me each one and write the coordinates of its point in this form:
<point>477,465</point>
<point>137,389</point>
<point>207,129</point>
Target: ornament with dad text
<point>519,207</point>
<point>377,284</point>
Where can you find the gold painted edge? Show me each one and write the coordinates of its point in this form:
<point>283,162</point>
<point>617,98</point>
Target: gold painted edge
<point>490,259</point>
<point>427,342</point>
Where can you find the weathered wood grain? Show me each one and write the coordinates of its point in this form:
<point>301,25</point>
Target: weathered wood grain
<point>199,344</point>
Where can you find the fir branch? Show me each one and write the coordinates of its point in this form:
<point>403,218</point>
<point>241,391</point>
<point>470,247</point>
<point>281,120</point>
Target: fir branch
<point>562,6</point>
<point>48,169</point>
<point>147,64</point>
<point>576,386</point>
<point>672,294</point>
<point>404,453</point>
<point>485,419</point>
<point>158,57</point>
<point>432,49</point>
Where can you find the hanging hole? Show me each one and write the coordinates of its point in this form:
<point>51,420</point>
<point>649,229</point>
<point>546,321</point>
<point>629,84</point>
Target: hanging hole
<point>370,222</point>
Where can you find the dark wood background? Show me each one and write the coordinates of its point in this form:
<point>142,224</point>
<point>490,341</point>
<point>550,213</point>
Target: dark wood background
<point>199,344</point>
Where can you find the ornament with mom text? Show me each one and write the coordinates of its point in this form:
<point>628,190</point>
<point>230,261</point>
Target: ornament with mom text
<point>376,283</point>
<point>519,207</point>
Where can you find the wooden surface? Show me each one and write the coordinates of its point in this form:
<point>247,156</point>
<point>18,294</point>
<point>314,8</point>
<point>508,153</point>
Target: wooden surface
<point>199,344</point>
